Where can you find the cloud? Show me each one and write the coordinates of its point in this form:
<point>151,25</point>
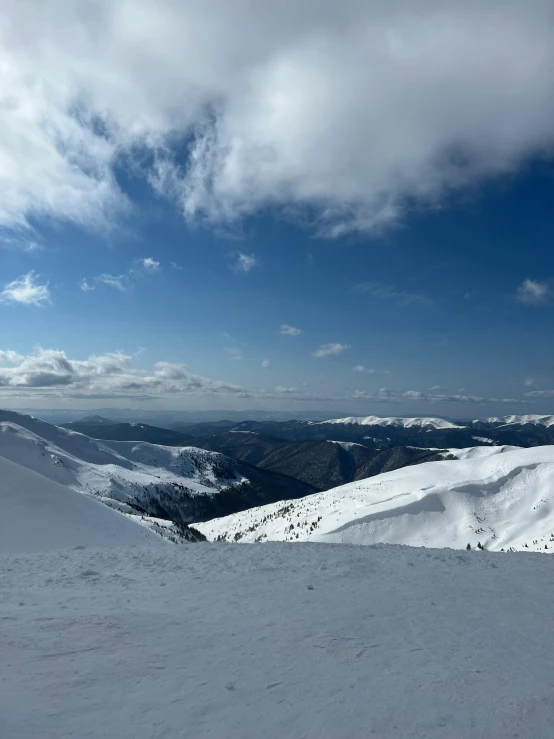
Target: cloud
<point>174,265</point>
<point>327,350</point>
<point>119,282</point>
<point>26,290</point>
<point>534,293</point>
<point>244,262</point>
<point>234,352</point>
<point>384,395</point>
<point>50,372</point>
<point>386,292</point>
<point>265,363</point>
<point>139,269</point>
<point>529,382</point>
<point>287,330</point>
<point>540,394</point>
<point>353,113</point>
<point>361,368</point>
<point>85,286</point>
<point>150,265</point>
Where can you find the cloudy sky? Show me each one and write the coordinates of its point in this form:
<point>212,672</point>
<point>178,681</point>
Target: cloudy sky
<point>293,205</point>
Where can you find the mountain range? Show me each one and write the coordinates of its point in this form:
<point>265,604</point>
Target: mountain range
<point>178,484</point>
<point>498,498</point>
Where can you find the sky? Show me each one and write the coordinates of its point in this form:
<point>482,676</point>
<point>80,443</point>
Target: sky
<point>296,206</point>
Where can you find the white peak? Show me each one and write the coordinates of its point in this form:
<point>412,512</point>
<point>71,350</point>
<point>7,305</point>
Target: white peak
<point>536,420</point>
<point>437,423</point>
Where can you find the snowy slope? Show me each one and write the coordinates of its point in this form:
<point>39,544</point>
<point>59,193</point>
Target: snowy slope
<point>280,641</point>
<point>129,472</point>
<point>408,423</point>
<point>180,484</point>
<point>500,496</point>
<point>513,420</point>
<point>37,514</point>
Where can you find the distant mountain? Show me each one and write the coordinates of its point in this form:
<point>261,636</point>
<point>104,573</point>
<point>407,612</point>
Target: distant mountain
<point>203,428</point>
<point>533,420</point>
<point>106,429</point>
<point>500,497</point>
<point>178,484</point>
<point>322,464</point>
<point>385,433</point>
<point>407,423</point>
<point>96,420</point>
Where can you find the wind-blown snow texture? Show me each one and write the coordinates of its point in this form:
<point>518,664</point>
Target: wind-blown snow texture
<point>501,497</point>
<point>283,640</point>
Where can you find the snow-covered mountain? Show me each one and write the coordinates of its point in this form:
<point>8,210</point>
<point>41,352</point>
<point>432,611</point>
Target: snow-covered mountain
<point>397,422</point>
<point>502,497</point>
<point>175,483</point>
<point>534,420</point>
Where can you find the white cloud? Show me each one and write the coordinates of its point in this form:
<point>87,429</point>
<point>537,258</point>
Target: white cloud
<point>384,395</point>
<point>534,293</point>
<point>234,352</point>
<point>352,109</point>
<point>150,265</point>
<point>26,290</point>
<point>361,368</point>
<point>529,382</point>
<point>386,292</point>
<point>51,372</point>
<point>10,356</point>
<point>86,286</point>
<point>327,350</point>
<point>119,282</point>
<point>244,262</point>
<point>287,330</point>
<point>265,363</point>
<point>174,265</point>
<point>127,280</point>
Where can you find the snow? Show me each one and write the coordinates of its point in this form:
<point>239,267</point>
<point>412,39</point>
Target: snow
<point>346,445</point>
<point>502,497</point>
<point>107,630</point>
<point>483,439</point>
<point>436,423</point>
<point>39,515</point>
<point>120,470</point>
<point>509,420</point>
<point>284,640</point>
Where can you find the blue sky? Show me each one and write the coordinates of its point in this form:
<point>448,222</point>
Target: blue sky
<point>418,278</point>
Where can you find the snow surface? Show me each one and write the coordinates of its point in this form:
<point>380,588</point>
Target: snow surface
<point>502,497</point>
<point>37,514</point>
<point>436,423</point>
<point>509,420</point>
<point>284,640</point>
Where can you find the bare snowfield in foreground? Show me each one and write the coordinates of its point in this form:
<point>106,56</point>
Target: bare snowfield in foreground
<point>277,640</point>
